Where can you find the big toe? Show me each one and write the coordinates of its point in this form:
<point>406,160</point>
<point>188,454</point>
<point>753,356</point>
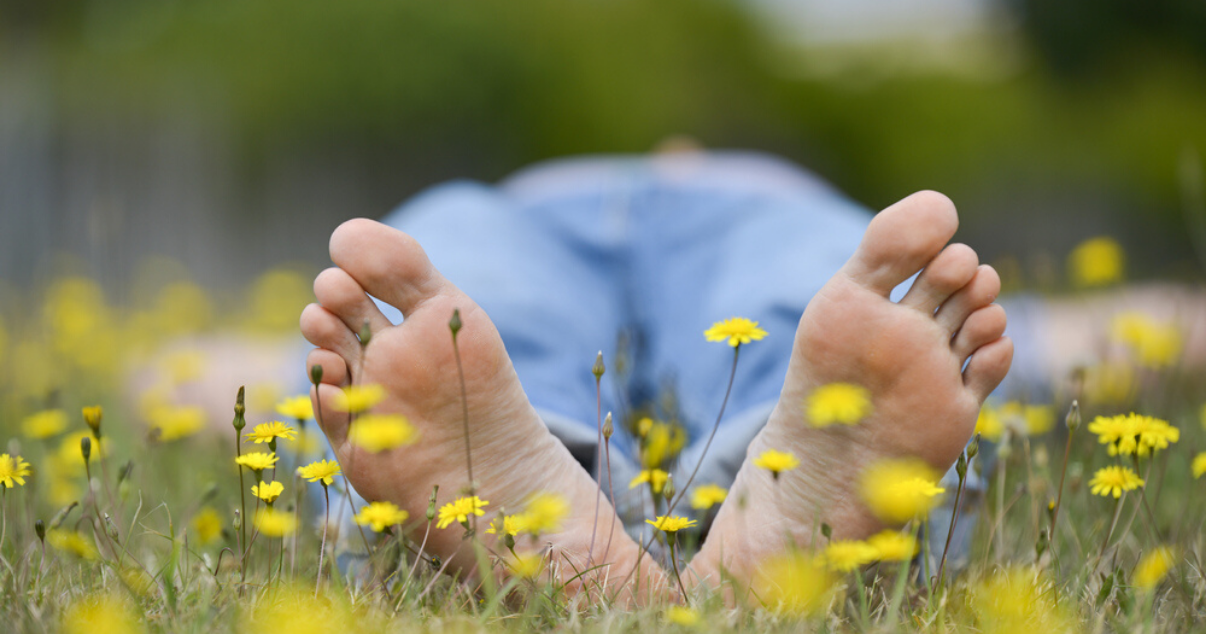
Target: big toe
<point>902,239</point>
<point>387,263</point>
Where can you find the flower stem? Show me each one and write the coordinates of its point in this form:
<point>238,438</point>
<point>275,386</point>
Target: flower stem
<point>322,548</point>
<point>671,541</point>
<point>951,529</point>
<point>594,528</point>
<point>454,327</point>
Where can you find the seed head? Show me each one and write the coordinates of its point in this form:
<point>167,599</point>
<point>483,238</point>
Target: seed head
<point>598,369</point>
<point>1073,419</point>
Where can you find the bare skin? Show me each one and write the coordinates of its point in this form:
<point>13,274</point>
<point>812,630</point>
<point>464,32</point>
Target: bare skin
<point>909,355</point>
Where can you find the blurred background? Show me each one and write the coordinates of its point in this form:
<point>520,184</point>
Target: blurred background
<point>232,135</point>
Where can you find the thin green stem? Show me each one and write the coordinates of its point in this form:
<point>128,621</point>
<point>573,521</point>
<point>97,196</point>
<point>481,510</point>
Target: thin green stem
<point>322,548</point>
<point>460,373</point>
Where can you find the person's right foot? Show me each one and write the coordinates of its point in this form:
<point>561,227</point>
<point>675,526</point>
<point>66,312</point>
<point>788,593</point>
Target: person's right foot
<point>909,355</point>
<point>514,455</point>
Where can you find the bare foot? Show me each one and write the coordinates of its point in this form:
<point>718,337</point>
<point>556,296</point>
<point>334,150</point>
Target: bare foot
<point>514,455</point>
<point>910,355</point>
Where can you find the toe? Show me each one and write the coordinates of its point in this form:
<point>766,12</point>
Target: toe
<point>901,240</point>
<point>334,370</point>
<point>386,263</point>
<point>988,367</point>
<point>981,291</point>
<point>945,274</point>
<point>342,296</point>
<point>322,328</point>
<point>981,327</point>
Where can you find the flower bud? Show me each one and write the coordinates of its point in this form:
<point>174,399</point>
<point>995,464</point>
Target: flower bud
<point>238,520</point>
<point>239,410</point>
<point>365,334</point>
<point>961,466</point>
<point>316,374</point>
<point>435,562</point>
<point>668,490</point>
<point>93,416</point>
<point>86,448</point>
<point>973,448</point>
<point>431,503</point>
<point>454,324</point>
<point>111,529</point>
<point>598,369</point>
<point>40,529</point>
<point>1073,418</point>
<point>827,531</point>
<point>608,428</point>
<point>61,516</point>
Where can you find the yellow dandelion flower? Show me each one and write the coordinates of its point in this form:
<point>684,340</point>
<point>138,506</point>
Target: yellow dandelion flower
<point>267,432</point>
<point>1018,600</point>
<point>844,555</point>
<point>72,542</point>
<point>92,417</point>
<point>671,523</point>
<point>382,432</point>
<point>13,470</point>
<point>460,509</point>
<point>1030,420</point>
<point>44,424</point>
<point>796,584</point>
<point>299,407</point>
<point>1098,261</point>
<point>1153,567</point>
<point>989,424</point>
<point>661,442</point>
<point>268,491</point>
<point>1155,344</point>
<point>682,615</point>
<point>1110,383</point>
<point>1199,465</point>
<point>68,457</point>
<point>776,461</point>
<point>274,523</point>
<point>257,460</point>
<point>527,566</point>
<point>101,614</point>
<point>324,470</point>
<point>896,491</point>
<point>507,524</point>
<point>1133,434</point>
<point>837,403</point>
<point>656,478</point>
<point>893,546</point>
<point>170,423</point>
<point>1113,481</point>
<point>705,496</point>
<point>207,526</point>
<point>735,330</point>
<point>356,399</point>
<point>544,513</point>
<point>381,514</point>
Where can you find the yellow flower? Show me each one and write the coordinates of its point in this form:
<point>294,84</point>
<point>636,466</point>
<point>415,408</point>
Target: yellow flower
<point>681,615</point>
<point>527,566</point>
<point>257,460</point>
<point>460,509</point>
<point>382,432</point>
<point>13,469</point>
<point>896,491</point>
<point>989,424</point>
<point>184,365</point>
<point>93,416</point>
<point>71,542</point>
<point>656,478</point>
<point>660,443</point>
<point>796,584</point>
<point>736,330</point>
<point>705,496</point>
<point>268,491</point>
<point>274,523</point>
<point>1155,344</point>
<point>69,458</point>
<point>843,403</point>
<point>356,399</point>
<point>170,423</point>
<point>893,546</point>
<point>844,555</point>
<point>1113,481</point>
<point>44,424</point>
<point>101,615</point>
<point>1153,567</point>
<point>324,470</point>
<point>544,514</point>
<point>1199,465</point>
<point>299,407</point>
<point>1017,600</point>
<point>207,524</point>
<point>381,514</point>
<point>1031,420</point>
<point>1098,261</point>
<point>1133,434</point>
<point>671,523</point>
<point>776,461</point>
<point>505,523</point>
<point>267,432</point>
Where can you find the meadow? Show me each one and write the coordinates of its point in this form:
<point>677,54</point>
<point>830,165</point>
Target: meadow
<point>130,506</point>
